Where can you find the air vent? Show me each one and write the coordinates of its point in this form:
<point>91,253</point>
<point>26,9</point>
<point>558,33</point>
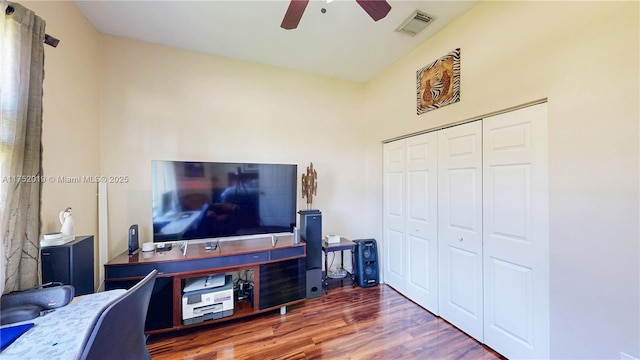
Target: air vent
<point>415,23</point>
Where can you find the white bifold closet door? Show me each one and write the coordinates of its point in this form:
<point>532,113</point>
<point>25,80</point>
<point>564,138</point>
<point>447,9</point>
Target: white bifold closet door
<point>422,220</point>
<point>410,216</point>
<point>394,214</point>
<point>466,227</point>
<point>460,227</point>
<point>516,233</point>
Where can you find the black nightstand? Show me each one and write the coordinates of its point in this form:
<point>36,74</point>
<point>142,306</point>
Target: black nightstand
<point>70,264</point>
<point>341,246</point>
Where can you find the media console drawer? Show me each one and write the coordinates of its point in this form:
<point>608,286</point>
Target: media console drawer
<point>286,253</point>
<point>214,262</point>
<point>127,271</point>
<point>171,267</point>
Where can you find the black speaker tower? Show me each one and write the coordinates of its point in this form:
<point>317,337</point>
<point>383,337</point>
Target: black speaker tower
<point>311,233</point>
<point>366,264</point>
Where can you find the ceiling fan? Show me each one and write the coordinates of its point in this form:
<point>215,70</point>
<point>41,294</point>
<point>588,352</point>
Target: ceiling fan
<point>377,9</point>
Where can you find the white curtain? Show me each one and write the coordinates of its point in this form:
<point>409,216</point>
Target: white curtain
<point>21,76</point>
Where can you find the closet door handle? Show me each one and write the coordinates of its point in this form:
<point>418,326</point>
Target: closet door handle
<point>460,238</point>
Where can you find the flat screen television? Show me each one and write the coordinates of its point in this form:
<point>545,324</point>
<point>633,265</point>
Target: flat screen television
<point>202,200</point>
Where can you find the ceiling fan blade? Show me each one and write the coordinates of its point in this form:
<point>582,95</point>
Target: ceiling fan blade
<point>377,9</point>
<point>294,14</point>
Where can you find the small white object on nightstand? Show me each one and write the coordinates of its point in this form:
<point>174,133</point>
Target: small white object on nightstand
<point>332,239</point>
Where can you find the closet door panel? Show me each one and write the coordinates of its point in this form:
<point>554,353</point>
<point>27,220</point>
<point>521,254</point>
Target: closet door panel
<point>394,214</point>
<point>421,221</point>
<point>516,244</point>
<point>394,264</point>
<point>462,265</point>
<point>460,227</point>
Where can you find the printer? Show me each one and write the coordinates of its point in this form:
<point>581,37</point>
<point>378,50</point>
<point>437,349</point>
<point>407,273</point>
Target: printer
<point>206,298</point>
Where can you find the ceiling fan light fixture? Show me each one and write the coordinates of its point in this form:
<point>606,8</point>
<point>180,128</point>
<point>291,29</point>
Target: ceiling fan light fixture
<point>416,22</point>
<point>376,9</point>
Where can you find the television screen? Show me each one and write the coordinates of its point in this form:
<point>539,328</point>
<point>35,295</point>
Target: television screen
<point>200,200</point>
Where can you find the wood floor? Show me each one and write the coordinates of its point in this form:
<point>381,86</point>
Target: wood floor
<point>348,323</point>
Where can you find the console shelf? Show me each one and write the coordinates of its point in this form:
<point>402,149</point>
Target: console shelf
<point>279,276</point>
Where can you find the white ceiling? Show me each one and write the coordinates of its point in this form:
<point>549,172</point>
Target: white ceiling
<point>343,43</point>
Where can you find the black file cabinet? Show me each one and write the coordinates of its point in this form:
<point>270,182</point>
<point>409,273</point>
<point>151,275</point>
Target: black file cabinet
<point>71,264</point>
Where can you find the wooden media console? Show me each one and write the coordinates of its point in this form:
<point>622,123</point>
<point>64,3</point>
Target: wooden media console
<point>277,273</point>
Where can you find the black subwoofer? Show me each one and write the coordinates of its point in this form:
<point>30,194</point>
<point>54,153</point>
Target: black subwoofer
<point>314,283</point>
<point>366,264</point>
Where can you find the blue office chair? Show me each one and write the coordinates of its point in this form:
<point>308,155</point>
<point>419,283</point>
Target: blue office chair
<point>118,332</point>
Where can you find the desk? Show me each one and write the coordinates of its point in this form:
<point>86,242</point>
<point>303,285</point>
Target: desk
<point>344,244</point>
<point>60,333</point>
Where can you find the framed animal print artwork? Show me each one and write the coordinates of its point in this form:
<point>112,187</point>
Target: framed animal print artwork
<point>438,84</point>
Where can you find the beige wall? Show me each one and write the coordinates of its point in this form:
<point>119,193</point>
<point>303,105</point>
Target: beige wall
<point>160,103</point>
<point>154,102</point>
<point>70,116</point>
<point>583,57</point>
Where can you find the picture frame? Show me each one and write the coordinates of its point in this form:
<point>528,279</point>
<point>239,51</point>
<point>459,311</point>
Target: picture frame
<point>438,84</point>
